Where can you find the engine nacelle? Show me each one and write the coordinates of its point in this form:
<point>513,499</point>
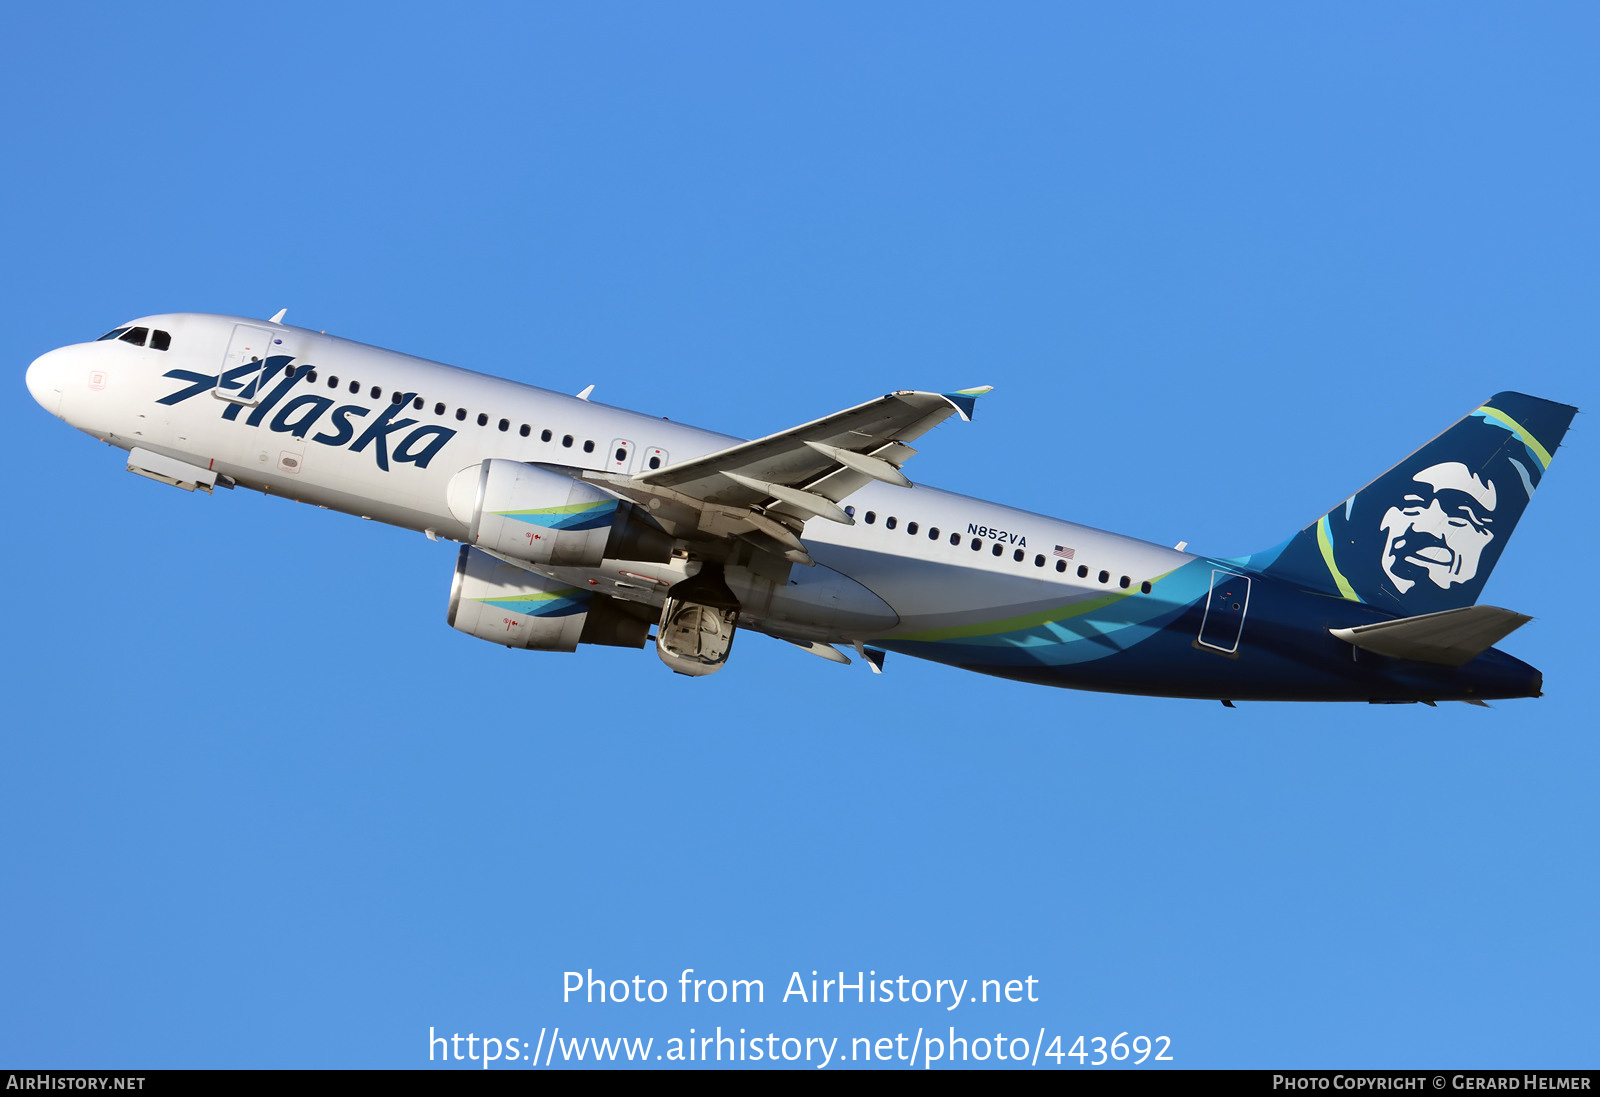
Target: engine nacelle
<point>506,604</point>
<point>548,518</point>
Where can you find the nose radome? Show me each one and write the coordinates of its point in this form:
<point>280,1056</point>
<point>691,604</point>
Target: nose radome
<point>44,381</point>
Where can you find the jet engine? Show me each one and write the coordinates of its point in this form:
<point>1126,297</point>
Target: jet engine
<point>546,517</point>
<point>501,602</point>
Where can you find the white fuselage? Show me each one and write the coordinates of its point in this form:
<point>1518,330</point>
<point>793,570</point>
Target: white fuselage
<point>333,435</point>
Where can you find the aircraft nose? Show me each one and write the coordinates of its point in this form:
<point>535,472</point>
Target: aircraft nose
<point>44,381</point>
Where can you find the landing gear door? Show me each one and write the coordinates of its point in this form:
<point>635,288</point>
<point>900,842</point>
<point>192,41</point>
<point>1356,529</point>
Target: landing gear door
<point>247,368</point>
<point>1225,611</point>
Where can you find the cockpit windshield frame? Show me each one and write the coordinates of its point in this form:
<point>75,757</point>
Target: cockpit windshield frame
<point>139,336</point>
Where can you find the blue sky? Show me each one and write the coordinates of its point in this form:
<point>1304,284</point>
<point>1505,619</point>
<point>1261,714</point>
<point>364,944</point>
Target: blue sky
<point>1223,265</point>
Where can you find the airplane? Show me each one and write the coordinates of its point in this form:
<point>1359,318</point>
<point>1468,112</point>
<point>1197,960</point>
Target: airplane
<point>582,523</point>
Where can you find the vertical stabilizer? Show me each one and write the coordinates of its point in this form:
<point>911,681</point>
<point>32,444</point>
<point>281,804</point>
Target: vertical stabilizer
<point>1425,535</point>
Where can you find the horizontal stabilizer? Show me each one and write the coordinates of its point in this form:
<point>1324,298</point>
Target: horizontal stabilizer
<point>1452,637</point>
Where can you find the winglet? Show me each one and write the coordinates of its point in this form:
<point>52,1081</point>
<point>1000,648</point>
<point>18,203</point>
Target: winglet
<point>966,400</point>
<point>873,656</point>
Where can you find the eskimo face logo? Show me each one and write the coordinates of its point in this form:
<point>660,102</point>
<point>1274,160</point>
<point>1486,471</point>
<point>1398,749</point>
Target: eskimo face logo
<point>1439,530</point>
<point>417,447</point>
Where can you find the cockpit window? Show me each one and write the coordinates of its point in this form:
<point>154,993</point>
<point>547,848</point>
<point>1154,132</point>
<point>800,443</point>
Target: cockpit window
<point>136,336</point>
<point>160,340</point>
<point>114,333</point>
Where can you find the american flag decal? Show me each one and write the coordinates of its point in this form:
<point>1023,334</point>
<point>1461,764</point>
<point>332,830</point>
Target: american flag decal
<point>1063,552</point>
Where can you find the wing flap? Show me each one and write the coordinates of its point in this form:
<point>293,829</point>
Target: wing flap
<point>1451,638</point>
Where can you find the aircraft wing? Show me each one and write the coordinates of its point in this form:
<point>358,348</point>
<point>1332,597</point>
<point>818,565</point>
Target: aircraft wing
<point>771,486</point>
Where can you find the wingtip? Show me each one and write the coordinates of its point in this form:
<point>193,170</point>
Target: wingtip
<point>966,400</point>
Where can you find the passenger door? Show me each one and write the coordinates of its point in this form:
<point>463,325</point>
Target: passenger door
<point>245,372</point>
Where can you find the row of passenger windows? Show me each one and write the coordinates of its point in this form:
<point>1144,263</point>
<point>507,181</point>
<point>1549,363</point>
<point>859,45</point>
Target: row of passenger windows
<point>997,549</point>
<point>439,408</point>
<point>158,339</point>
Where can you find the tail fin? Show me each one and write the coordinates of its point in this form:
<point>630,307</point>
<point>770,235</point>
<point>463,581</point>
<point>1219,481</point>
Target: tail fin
<point>1424,536</point>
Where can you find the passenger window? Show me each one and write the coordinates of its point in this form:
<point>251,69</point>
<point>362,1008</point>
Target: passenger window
<point>1083,571</point>
<point>461,415</point>
<point>911,528</point>
<point>333,382</point>
<point>976,544</point>
<point>851,511</point>
<point>311,375</point>
<point>136,336</point>
<point>955,538</point>
<point>998,548</point>
<point>566,440</point>
<point>1038,561</point>
<point>505,424</point>
<point>1105,577</point>
<point>622,455</point>
<point>416,404</point>
<point>872,516</point>
<point>438,409</point>
<point>288,371</point>
<point>545,436</point>
<point>355,387</point>
<point>655,462</point>
<point>588,447</point>
<point>1144,588</point>
<point>1125,582</point>
<point>526,430</point>
<point>396,397</point>
<point>160,340</point>
<point>1018,555</point>
<point>377,393</point>
<point>889,523</point>
<point>1061,565</point>
<point>933,533</point>
<point>483,418</point>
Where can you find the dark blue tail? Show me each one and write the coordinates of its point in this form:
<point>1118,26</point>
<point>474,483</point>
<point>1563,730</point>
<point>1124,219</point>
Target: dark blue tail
<point>1425,535</point>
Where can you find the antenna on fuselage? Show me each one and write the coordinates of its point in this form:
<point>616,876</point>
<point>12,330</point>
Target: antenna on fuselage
<point>277,317</point>
<point>584,395</point>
